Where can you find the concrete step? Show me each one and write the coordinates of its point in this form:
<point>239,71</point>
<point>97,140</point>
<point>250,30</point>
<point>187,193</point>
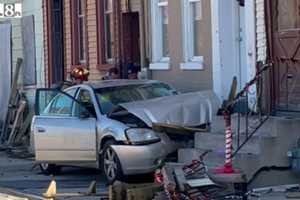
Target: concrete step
<point>216,142</point>
<point>268,129</point>
<point>249,163</point>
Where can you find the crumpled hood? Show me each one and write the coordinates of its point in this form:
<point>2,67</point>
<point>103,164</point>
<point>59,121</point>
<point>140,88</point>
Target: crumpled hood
<point>189,109</point>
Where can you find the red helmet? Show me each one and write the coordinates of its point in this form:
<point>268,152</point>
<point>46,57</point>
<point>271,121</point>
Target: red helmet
<point>80,73</point>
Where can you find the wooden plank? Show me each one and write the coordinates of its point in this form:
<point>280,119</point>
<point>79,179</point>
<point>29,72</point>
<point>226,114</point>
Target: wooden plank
<point>143,193</point>
<point>121,191</point>
<point>16,123</point>
<point>180,178</point>
<point>12,101</point>
<point>25,125</point>
<point>169,179</point>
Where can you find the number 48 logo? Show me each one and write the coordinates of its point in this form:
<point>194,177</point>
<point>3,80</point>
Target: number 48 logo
<point>10,10</point>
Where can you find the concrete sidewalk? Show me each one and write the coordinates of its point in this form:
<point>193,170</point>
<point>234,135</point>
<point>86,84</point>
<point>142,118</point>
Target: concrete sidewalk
<point>10,197</point>
<point>9,194</point>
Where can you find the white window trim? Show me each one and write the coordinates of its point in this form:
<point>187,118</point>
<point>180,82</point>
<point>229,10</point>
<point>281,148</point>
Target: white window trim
<point>82,17</point>
<point>106,13</point>
<point>158,61</point>
<point>190,62</point>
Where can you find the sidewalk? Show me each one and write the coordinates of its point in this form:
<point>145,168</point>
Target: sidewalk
<point>10,197</point>
<point>9,194</point>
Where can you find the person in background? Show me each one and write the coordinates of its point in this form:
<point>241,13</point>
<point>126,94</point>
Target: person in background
<point>132,71</point>
<point>79,74</point>
<point>112,73</point>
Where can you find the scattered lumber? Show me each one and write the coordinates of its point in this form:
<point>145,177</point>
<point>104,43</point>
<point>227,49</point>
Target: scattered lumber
<point>180,178</point>
<point>13,101</point>
<point>18,118</point>
<point>17,122</point>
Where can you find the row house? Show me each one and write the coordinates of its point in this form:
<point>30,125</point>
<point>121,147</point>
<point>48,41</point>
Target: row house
<point>203,44</point>
<point>22,38</point>
<point>191,44</point>
<point>95,34</point>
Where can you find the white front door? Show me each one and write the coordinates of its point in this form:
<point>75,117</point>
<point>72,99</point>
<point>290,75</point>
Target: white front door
<point>234,31</point>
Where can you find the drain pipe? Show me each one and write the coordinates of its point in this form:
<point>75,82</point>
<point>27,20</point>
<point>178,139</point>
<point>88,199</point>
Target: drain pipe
<point>143,38</point>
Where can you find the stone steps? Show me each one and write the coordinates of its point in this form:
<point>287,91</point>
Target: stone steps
<point>268,147</point>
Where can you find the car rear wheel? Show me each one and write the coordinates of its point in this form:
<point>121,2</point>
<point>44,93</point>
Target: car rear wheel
<point>50,169</point>
<point>110,163</point>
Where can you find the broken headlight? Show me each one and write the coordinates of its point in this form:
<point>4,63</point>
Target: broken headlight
<point>139,136</point>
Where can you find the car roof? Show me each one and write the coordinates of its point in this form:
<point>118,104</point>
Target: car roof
<point>119,82</point>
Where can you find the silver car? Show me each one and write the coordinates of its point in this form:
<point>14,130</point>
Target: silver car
<point>110,125</point>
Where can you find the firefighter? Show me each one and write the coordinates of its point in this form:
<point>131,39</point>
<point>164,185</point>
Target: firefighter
<point>79,74</point>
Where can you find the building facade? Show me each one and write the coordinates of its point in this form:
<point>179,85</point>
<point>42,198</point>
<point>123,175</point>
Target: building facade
<point>95,34</point>
<point>24,39</point>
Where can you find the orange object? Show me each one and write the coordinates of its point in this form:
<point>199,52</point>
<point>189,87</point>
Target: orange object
<point>80,73</point>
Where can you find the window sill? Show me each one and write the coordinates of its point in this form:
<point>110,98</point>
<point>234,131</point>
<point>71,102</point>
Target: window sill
<point>29,87</point>
<point>160,66</point>
<point>192,66</point>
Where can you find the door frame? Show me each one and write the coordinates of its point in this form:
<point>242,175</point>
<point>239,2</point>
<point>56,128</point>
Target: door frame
<point>49,33</point>
<point>216,46</point>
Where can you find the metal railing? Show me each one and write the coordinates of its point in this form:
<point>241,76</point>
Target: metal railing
<point>253,106</point>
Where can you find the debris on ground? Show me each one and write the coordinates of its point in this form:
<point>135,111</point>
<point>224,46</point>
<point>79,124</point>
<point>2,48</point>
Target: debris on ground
<point>14,130</point>
<point>177,181</point>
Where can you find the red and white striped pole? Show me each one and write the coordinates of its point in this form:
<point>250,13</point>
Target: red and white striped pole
<point>228,168</point>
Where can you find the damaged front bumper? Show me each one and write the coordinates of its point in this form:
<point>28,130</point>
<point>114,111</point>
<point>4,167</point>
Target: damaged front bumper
<point>140,159</point>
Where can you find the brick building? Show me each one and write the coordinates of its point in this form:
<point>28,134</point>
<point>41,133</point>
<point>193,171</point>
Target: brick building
<point>96,34</point>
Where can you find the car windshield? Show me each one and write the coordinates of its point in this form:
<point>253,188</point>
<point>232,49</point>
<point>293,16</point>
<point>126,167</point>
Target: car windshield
<point>112,96</point>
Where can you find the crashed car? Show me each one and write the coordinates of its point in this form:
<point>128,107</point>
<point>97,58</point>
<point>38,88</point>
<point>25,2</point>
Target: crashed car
<point>124,127</point>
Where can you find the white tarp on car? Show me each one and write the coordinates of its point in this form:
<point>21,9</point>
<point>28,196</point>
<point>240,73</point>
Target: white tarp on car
<point>190,109</point>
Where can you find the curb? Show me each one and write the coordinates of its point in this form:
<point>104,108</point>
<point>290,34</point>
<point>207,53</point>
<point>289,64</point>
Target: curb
<point>21,194</point>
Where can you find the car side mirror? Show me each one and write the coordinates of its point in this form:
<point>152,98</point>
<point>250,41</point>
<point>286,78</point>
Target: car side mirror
<point>84,115</point>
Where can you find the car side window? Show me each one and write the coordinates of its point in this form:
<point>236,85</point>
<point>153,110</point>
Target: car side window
<point>85,98</point>
<point>61,104</point>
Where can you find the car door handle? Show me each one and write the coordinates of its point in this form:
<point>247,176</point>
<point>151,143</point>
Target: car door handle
<point>41,130</point>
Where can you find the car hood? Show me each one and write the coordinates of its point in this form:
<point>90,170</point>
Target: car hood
<point>189,109</point>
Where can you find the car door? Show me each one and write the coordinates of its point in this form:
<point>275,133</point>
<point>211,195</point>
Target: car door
<point>60,133</point>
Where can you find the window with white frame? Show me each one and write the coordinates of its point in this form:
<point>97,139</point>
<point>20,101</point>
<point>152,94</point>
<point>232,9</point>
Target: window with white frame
<point>108,28</point>
<point>81,31</point>
<point>160,40</point>
<point>192,40</point>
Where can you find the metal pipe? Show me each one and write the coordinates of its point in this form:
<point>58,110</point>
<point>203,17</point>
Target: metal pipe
<point>142,34</point>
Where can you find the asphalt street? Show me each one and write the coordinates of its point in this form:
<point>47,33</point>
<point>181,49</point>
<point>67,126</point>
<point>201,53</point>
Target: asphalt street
<point>19,174</point>
<point>22,176</point>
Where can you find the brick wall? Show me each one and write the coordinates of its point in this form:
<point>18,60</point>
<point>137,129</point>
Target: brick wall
<point>261,40</point>
<point>91,30</point>
<point>97,69</point>
<point>67,38</point>
<point>92,40</point>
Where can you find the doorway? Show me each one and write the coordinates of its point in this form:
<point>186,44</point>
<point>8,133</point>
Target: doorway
<point>232,44</point>
<point>131,43</point>
<point>286,53</point>
<point>57,43</point>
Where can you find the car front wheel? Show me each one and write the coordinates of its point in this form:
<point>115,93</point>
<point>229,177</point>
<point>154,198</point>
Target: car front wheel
<point>111,165</point>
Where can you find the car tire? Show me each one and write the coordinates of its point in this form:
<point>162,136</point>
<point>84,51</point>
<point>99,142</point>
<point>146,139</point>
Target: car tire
<point>110,163</point>
<point>50,169</point>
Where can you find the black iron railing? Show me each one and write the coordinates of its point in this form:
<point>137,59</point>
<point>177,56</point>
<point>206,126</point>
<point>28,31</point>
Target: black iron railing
<point>253,106</point>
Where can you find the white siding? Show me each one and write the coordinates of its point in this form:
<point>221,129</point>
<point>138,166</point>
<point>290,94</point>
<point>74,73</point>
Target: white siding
<point>29,7</point>
<point>261,40</point>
